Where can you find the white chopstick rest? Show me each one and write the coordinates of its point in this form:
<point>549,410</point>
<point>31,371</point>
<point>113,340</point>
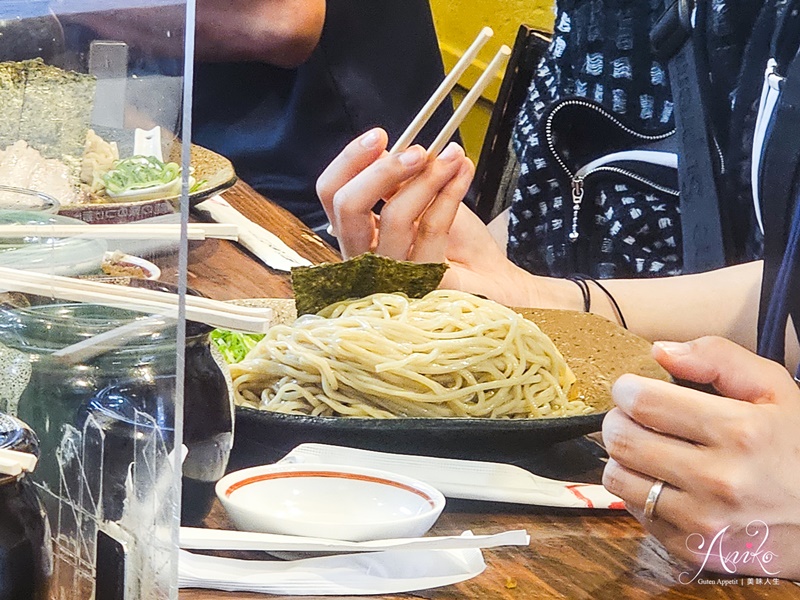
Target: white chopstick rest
<point>370,573</point>
<point>441,92</point>
<point>13,462</point>
<point>147,142</point>
<point>466,479</point>
<point>469,101</point>
<point>267,246</point>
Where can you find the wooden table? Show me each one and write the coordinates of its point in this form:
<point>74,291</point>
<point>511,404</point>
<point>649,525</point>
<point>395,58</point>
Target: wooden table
<point>573,555</point>
<point>226,271</point>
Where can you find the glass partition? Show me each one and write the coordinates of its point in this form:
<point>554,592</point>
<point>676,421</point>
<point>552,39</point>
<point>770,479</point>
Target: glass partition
<point>91,134</point>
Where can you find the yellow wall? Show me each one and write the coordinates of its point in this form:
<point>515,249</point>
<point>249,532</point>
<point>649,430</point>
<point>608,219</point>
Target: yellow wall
<point>457,24</point>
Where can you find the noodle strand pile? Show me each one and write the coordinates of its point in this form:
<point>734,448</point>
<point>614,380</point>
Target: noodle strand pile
<point>449,354</point>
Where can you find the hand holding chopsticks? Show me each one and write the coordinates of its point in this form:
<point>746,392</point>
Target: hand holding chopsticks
<point>335,176</point>
<point>423,217</point>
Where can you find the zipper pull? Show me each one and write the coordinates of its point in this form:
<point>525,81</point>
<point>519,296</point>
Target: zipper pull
<point>577,199</point>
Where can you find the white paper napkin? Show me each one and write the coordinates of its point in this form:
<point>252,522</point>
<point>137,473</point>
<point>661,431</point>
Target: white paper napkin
<point>345,575</point>
<point>466,479</point>
<point>268,247</point>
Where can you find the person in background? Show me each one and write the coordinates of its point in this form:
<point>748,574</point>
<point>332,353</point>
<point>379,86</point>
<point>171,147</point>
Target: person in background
<point>727,459</point>
<point>281,86</point>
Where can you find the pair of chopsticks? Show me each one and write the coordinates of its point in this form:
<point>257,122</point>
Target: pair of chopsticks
<point>449,82</point>
<point>195,231</point>
<point>199,309</point>
<point>444,89</point>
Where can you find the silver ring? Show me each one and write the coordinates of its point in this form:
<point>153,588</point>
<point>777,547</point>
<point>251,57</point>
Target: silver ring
<point>329,230</point>
<point>652,499</point>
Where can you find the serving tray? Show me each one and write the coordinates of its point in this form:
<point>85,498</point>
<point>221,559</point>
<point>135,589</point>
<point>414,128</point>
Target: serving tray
<point>215,169</point>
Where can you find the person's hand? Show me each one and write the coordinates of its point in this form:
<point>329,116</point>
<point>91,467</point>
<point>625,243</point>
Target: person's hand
<point>730,462</point>
<point>423,218</point>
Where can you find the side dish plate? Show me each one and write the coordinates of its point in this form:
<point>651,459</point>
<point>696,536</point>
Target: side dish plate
<point>216,170</point>
<point>597,350</point>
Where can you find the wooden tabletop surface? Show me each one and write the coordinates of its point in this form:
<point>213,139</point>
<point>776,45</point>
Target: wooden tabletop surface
<point>573,555</point>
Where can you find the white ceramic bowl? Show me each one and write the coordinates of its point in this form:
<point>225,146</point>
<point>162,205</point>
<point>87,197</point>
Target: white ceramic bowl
<point>333,502</point>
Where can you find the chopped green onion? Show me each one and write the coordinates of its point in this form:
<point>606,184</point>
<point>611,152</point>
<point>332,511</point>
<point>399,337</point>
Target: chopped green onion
<point>198,185</point>
<point>139,172</point>
<point>234,345</point>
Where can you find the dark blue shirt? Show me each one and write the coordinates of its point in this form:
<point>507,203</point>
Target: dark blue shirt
<point>377,63</point>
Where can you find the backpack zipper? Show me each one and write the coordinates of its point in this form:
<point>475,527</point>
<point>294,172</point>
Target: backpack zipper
<point>577,181</point>
<point>578,191</point>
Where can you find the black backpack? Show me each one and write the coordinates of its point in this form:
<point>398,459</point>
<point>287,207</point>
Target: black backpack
<point>762,150</point>
<point>605,120</point>
<point>677,180</point>
<point>776,180</point>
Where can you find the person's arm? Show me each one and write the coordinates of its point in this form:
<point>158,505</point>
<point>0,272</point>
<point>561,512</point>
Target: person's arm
<point>424,219</point>
<point>278,32</point>
<point>723,302</point>
<point>728,461</point>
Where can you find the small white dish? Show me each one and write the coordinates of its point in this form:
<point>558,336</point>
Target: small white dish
<point>123,260</point>
<point>22,199</point>
<point>333,502</point>
<point>147,142</point>
<point>165,190</point>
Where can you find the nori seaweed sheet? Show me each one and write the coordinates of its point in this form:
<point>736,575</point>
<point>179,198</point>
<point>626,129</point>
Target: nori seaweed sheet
<point>318,286</point>
<point>12,91</point>
<point>56,109</point>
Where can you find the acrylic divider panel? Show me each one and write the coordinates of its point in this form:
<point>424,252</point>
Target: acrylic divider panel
<point>91,91</point>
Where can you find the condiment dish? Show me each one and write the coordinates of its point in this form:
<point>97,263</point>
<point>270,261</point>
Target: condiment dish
<point>332,502</point>
<point>22,199</point>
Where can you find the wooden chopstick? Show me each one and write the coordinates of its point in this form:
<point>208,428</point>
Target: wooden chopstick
<point>469,101</point>
<point>195,231</point>
<point>216,318</point>
<point>108,340</point>
<point>426,112</point>
<point>203,310</point>
<point>99,287</point>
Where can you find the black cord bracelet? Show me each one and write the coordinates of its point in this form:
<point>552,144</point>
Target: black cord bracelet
<point>583,283</point>
<point>585,291</point>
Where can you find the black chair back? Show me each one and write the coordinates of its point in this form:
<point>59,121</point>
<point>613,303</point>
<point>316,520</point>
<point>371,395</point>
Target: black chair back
<point>497,168</point>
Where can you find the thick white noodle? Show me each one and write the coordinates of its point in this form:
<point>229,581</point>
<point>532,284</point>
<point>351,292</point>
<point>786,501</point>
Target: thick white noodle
<point>449,354</point>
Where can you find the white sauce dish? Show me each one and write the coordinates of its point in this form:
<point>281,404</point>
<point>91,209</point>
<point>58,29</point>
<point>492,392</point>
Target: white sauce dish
<point>333,502</point>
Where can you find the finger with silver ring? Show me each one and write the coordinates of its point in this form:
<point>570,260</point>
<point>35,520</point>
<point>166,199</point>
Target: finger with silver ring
<point>652,499</point>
